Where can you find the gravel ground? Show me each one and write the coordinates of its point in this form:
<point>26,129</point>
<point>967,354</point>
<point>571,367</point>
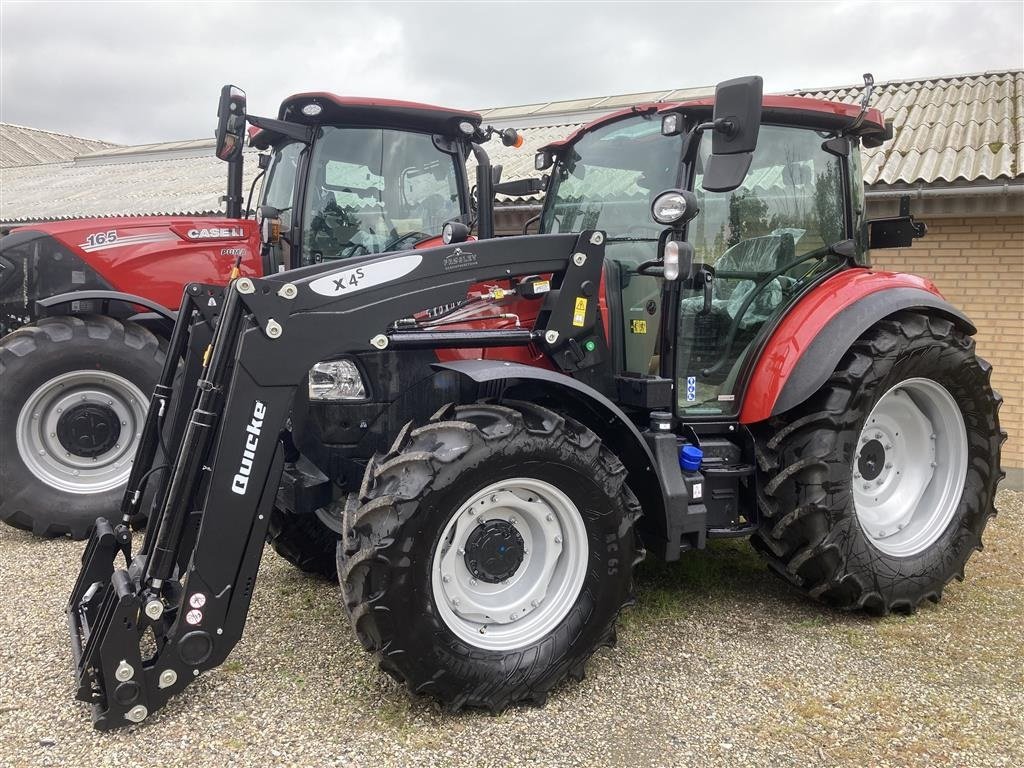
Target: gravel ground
<point>720,663</point>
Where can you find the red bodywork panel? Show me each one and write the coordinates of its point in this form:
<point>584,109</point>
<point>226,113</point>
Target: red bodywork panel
<point>488,316</point>
<point>156,256</point>
<point>803,322</point>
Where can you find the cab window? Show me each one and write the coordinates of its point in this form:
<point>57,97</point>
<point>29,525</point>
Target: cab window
<point>765,241</point>
<point>373,190</point>
<point>279,190</point>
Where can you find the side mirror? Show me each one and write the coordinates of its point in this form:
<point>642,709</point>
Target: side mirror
<point>734,125</point>
<point>230,123</point>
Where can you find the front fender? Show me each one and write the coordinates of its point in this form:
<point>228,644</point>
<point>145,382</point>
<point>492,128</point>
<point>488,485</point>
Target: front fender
<point>585,404</point>
<point>814,335</point>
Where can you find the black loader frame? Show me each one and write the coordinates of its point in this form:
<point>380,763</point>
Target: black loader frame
<point>219,416</point>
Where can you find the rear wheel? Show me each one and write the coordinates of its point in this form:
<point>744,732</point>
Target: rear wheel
<point>490,555</point>
<point>75,395</point>
<point>876,491</point>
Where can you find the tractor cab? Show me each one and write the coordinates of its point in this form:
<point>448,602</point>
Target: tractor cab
<point>750,229</point>
<point>348,176</point>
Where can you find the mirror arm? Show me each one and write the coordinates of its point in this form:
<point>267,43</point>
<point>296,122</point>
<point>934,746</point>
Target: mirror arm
<point>296,131</point>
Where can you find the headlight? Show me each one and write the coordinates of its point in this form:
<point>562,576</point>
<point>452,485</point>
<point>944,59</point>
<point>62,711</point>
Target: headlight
<point>336,380</point>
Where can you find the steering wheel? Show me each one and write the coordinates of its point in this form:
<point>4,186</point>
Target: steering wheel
<point>412,237</point>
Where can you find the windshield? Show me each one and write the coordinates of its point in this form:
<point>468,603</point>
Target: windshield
<point>608,179</point>
<point>373,190</point>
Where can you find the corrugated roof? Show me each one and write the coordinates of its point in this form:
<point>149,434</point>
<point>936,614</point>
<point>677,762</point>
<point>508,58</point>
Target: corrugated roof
<point>955,128</point>
<point>967,128</point>
<point>188,186</point>
<point>31,146</point>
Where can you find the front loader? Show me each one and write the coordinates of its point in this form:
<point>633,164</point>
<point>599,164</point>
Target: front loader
<point>700,350</point>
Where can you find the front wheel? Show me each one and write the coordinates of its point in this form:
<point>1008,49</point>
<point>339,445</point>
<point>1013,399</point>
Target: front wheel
<point>75,394</point>
<point>876,491</point>
<point>490,555</point>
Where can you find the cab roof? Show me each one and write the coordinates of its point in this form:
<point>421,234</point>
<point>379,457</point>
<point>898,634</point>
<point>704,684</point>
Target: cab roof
<point>796,110</point>
<point>364,111</point>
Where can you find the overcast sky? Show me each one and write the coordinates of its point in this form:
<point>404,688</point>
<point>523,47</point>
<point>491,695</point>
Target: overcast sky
<point>138,72</point>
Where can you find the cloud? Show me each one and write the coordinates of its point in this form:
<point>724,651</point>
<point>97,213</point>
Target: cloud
<point>151,72</point>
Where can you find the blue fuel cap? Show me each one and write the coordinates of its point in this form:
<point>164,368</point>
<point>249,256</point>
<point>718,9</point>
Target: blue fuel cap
<point>690,457</point>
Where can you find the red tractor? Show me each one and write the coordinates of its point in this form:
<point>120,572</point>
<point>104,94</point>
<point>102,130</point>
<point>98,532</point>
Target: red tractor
<point>694,347</point>
<point>87,306</point>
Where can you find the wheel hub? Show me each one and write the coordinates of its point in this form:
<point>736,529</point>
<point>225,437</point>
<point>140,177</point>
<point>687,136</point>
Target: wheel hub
<point>909,467</point>
<point>871,460</point>
<point>88,429</point>
<point>510,563</point>
<point>78,431</point>
<point>494,551</point>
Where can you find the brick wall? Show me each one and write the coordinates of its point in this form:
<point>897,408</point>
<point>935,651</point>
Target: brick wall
<point>978,264</point>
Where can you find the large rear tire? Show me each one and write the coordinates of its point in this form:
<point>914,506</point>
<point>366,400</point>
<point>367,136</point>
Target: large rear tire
<point>491,554</point>
<point>75,393</point>
<point>876,491</point>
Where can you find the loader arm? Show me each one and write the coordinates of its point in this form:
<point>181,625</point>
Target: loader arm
<point>220,415</point>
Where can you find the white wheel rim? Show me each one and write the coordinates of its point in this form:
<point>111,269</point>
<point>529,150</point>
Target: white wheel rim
<point>55,463</point>
<point>909,467</point>
<point>532,601</point>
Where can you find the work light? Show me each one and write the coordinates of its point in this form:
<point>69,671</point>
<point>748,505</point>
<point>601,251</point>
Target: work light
<point>670,124</point>
<point>674,206</point>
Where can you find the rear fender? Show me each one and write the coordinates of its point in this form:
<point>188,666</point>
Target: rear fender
<point>814,335</point>
<point>515,381</point>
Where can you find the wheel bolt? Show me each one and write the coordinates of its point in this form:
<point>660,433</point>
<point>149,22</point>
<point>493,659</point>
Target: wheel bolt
<point>550,518</point>
<point>878,435</point>
<point>558,539</point>
<point>867,486</point>
<point>513,617</point>
<point>888,446</point>
<point>857,474</point>
<point>460,551</point>
<point>472,582</point>
<point>494,499</point>
<point>513,520</point>
<point>888,465</point>
<point>455,602</point>
<point>53,434</point>
<point>446,578</point>
<point>935,464</point>
<point>533,603</point>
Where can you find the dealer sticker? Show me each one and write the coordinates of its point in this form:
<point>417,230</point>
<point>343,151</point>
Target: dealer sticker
<point>691,389</point>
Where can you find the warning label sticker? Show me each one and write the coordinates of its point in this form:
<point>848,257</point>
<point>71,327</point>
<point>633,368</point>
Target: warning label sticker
<point>194,616</point>
<point>638,326</point>
<point>198,600</point>
<point>579,312</point>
